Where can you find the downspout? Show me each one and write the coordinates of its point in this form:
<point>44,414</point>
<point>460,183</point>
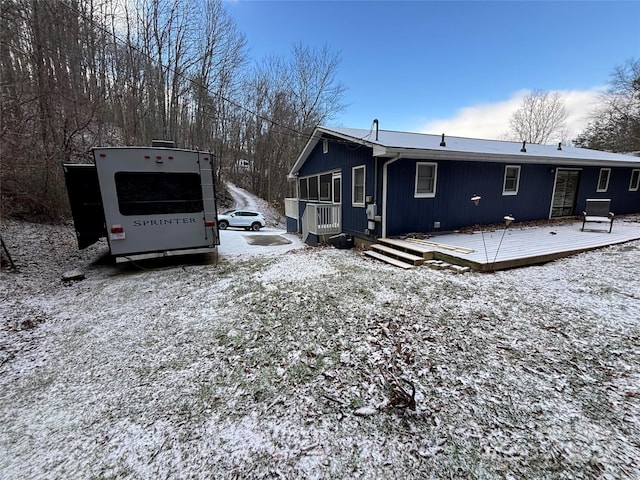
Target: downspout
<point>375,180</point>
<point>384,194</point>
<point>375,167</point>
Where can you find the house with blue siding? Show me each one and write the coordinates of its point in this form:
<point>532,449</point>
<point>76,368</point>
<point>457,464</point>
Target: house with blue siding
<point>379,183</point>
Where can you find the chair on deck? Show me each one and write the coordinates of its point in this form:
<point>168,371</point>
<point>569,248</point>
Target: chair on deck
<point>597,211</point>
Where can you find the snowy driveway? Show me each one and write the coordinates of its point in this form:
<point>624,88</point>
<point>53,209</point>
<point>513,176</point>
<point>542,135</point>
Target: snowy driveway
<point>239,243</point>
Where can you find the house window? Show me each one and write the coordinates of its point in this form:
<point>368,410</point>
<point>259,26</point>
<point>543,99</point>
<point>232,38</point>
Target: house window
<point>425,180</point>
<point>634,183</point>
<point>325,187</point>
<point>511,180</point>
<point>357,190</point>
<point>304,189</point>
<point>325,146</point>
<point>603,180</point>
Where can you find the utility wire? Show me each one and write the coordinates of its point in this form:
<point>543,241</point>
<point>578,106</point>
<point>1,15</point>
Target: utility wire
<point>158,63</point>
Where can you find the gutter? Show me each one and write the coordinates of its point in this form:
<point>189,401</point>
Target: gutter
<point>416,153</point>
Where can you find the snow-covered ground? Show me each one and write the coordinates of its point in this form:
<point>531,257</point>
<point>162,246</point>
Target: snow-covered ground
<point>296,363</point>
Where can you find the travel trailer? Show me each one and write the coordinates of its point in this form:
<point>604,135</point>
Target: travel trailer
<point>147,201</point>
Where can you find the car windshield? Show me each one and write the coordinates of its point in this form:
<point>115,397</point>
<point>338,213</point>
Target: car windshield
<point>228,212</point>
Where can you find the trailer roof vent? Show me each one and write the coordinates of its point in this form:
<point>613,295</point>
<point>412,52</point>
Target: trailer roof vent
<point>163,143</point>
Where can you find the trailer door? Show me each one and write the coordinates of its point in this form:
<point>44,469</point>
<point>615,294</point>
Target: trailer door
<point>83,189</point>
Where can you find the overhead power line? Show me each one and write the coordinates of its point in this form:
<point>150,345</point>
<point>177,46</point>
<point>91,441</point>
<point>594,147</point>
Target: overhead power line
<point>159,64</point>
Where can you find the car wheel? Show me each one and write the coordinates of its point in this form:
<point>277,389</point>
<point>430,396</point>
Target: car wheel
<point>223,225</point>
<point>255,226</point>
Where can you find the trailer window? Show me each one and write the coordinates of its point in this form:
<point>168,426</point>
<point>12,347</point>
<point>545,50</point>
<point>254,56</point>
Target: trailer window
<point>153,193</point>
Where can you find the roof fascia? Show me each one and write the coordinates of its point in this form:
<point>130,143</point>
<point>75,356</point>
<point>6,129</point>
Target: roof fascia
<point>313,141</point>
<point>308,148</point>
<point>413,153</point>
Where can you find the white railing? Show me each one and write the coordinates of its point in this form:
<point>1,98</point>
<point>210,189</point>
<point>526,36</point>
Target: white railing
<point>291,207</point>
<point>321,219</point>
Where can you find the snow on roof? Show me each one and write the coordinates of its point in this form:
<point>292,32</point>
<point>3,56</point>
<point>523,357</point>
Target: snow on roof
<point>422,141</point>
<point>388,143</point>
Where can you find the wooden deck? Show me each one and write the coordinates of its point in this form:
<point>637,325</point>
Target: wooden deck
<point>488,251</point>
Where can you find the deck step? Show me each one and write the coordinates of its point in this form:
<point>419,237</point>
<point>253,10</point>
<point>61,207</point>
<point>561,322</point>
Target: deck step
<point>390,260</point>
<point>399,254</point>
<point>414,249</point>
<point>441,265</point>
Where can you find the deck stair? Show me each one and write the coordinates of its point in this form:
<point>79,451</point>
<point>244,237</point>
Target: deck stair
<point>413,248</point>
<point>394,256</point>
<point>404,254</point>
<point>387,259</point>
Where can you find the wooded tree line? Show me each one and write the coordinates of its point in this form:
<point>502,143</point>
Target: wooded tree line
<point>79,73</point>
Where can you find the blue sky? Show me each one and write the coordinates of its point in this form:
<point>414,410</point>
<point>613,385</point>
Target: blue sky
<point>457,67</point>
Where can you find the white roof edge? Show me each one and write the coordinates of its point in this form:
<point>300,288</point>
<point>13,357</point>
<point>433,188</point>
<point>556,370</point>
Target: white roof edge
<point>315,138</point>
<point>310,145</point>
<point>500,157</point>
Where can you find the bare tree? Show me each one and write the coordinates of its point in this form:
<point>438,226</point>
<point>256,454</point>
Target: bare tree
<point>318,95</point>
<point>289,96</point>
<point>46,100</point>
<point>110,73</point>
<point>124,72</point>
<point>540,119</point>
<point>615,124</point>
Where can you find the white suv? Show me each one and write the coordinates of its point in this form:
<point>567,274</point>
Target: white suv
<point>246,219</point>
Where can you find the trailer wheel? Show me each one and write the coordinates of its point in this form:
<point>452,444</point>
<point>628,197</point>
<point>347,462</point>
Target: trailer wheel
<point>255,226</point>
<point>222,225</point>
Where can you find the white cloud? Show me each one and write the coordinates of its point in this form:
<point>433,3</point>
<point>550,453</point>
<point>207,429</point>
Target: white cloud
<point>491,120</point>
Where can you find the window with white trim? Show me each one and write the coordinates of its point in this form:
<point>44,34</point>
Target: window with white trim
<point>603,180</point>
<point>634,182</point>
<point>426,174</point>
<point>357,186</point>
<point>325,146</point>
<point>511,181</point>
